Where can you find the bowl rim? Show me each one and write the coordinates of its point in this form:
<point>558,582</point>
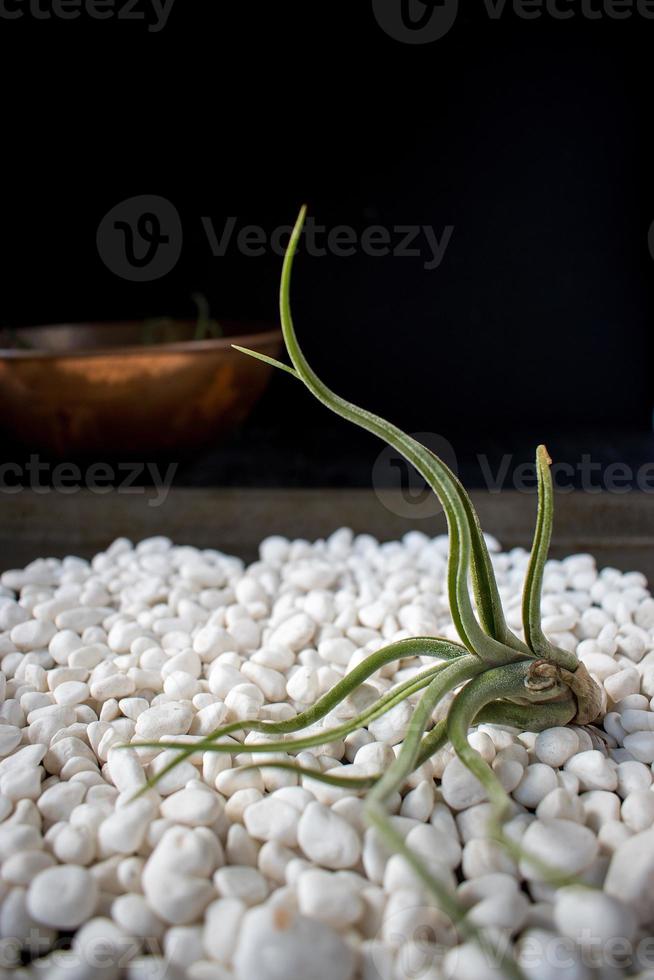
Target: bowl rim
<point>150,350</point>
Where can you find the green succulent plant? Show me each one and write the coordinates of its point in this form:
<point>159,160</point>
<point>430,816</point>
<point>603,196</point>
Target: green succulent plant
<point>498,677</point>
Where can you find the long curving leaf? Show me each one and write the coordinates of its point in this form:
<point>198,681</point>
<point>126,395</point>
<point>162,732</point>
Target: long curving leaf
<point>484,584</point>
<point>533,587</point>
<point>427,646</point>
<point>322,737</point>
<point>437,475</point>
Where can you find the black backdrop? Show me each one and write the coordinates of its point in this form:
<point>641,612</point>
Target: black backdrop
<point>530,138</point>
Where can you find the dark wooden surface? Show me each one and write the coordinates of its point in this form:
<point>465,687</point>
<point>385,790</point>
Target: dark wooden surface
<point>618,529</point>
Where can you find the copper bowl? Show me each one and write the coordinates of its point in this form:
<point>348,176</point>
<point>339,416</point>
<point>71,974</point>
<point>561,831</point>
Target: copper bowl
<point>89,388</point>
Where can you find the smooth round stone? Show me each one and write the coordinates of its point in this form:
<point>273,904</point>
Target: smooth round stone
<point>509,772</point>
<point>172,718</point>
<point>32,635</point>
<point>633,776</point>
<point>222,921</point>
<point>432,841</point>
<point>559,804</point>
<point>10,737</point>
<point>59,800</point>
<point>460,788</point>
<point>24,866</point>
<point>537,781</point>
<point>590,917</point>
<point>295,632</point>
<point>469,962</point>
<point>124,830</point>
<point>275,944</point>
<point>392,726</point>
<point>494,900</point>
<point>631,873</point>
<point>241,882</point>
<point>272,819</point>
<point>593,770</point>
<point>71,693</point>
<point>328,897</point>
<point>544,955</point>
<point>641,746</point>
<point>599,807</point>
<point>622,684</point>
<point>400,875</point>
<point>638,810</point>
<point>62,897</point>
<point>328,839</point>
<point>133,914</point>
<point>555,746</point>
<point>559,844</point>
<point>197,807</point>
<point>482,856</point>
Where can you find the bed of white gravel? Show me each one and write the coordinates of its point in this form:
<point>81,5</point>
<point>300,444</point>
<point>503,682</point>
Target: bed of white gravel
<point>251,875</point>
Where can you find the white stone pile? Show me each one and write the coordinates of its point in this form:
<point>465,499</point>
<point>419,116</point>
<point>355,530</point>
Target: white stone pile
<point>224,874</point>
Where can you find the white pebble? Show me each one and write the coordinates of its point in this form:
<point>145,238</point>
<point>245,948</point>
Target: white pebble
<point>295,632</point>
<point>173,718</point>
<point>638,810</point>
<point>641,746</point>
<point>630,875</point>
<point>241,882</point>
<point>32,635</point>
<point>329,898</point>
<point>559,844</point>
<point>273,819</point>
<point>124,831</point>
<point>555,746</point>
<point>274,944</point>
<point>537,781</point>
<point>593,918</point>
<point>593,770</point>
<point>222,921</point>
<point>196,807</point>
<point>62,897</point>
<point>459,787</point>
<point>328,839</point>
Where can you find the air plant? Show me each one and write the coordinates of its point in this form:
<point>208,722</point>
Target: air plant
<point>498,677</point>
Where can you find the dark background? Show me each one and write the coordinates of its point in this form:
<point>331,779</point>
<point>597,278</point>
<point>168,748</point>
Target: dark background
<point>530,137</point>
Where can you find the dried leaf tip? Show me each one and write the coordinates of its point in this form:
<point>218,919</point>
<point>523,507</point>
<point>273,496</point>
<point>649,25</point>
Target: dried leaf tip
<point>544,455</point>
